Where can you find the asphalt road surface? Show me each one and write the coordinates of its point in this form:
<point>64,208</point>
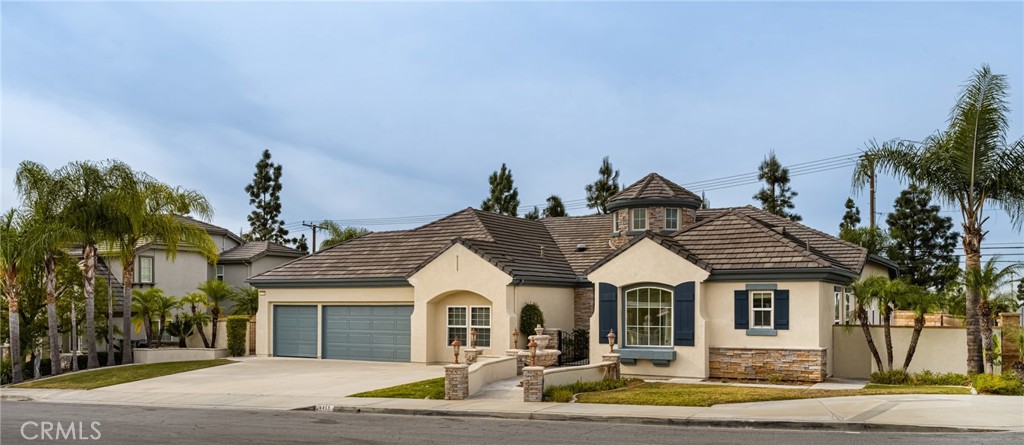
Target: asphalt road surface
<point>23,422</point>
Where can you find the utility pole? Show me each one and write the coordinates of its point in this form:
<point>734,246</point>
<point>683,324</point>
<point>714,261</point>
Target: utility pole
<point>313,226</point>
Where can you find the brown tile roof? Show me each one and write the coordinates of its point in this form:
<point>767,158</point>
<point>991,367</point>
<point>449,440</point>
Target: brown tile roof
<point>257,249</point>
<point>663,241</point>
<point>583,240</point>
<point>653,186</point>
<point>212,229</point>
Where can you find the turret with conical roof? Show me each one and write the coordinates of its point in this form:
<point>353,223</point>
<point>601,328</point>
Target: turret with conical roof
<point>652,203</point>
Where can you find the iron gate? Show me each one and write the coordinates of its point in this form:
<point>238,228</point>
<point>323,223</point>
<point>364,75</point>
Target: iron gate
<point>575,347</point>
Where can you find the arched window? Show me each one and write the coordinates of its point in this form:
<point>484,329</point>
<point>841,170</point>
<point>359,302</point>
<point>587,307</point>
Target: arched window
<point>648,317</point>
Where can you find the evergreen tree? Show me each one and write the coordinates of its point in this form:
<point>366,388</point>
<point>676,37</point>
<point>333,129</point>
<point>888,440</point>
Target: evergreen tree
<point>776,197</point>
<point>504,197</point>
<point>851,219</point>
<point>555,207</point>
<point>301,244</point>
<point>265,194</point>
<point>606,186</point>
<point>875,240</point>
<point>533,214</point>
<point>922,240</point>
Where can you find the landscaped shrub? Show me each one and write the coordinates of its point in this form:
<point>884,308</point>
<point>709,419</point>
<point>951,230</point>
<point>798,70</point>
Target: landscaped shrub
<point>44,366</point>
<point>529,318</point>
<point>894,377</point>
<point>928,378</point>
<point>564,393</point>
<point>1003,384</point>
<point>238,327</point>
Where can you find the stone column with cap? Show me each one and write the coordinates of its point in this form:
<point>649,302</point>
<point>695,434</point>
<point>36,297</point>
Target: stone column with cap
<point>456,382</point>
<point>533,384</point>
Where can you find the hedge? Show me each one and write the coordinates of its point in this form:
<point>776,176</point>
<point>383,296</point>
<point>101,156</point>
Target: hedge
<point>238,328</point>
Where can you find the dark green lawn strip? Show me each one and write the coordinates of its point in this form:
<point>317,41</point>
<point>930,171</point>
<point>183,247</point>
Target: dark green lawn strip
<point>677,394</point>
<point>121,374</point>
<point>426,389</point>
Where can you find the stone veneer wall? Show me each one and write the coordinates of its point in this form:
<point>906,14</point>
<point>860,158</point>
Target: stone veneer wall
<point>804,365</point>
<point>583,306</point>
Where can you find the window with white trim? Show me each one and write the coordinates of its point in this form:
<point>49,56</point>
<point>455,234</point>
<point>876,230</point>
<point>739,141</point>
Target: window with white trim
<point>671,219</point>
<point>761,303</point>
<point>844,305</point>
<point>615,222</point>
<point>145,269</point>
<point>463,319</point>
<point>648,317</point>
<point>220,272</point>
<point>638,219</point>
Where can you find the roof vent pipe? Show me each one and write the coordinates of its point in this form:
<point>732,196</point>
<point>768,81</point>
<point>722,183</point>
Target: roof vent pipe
<point>581,247</point>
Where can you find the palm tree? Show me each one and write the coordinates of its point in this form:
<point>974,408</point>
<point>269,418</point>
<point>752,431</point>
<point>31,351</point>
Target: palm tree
<point>15,250</point>
<point>161,309</point>
<point>864,293</point>
<point>337,234</point>
<point>197,304</point>
<point>152,215</point>
<point>247,301</point>
<point>920,301</point>
<point>142,310</point>
<point>216,292</point>
<point>180,328</point>
<point>972,165</point>
<point>41,195</point>
<point>987,281</point>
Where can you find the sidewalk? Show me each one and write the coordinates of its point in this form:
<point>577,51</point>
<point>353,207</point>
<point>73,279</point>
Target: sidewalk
<point>860,413</point>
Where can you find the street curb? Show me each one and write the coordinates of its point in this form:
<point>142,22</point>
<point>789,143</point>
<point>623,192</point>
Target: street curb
<point>696,423</point>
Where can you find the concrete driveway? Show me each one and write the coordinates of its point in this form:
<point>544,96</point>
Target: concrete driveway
<point>285,377</point>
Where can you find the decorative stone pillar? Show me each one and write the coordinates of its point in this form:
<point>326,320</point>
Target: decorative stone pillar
<point>520,362</point>
<point>1010,351</point>
<point>471,355</point>
<point>456,382</point>
<point>614,369</point>
<point>533,384</point>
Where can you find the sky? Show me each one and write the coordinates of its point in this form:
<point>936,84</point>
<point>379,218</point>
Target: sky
<point>382,110</point>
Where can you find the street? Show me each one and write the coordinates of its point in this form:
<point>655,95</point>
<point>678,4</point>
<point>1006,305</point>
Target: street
<point>26,422</point>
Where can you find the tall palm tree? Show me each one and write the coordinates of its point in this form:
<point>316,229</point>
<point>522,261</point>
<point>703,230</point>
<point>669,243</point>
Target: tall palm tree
<point>196,302</point>
<point>216,292</point>
<point>161,309</point>
<point>988,280</point>
<point>92,194</point>
<point>152,215</point>
<point>972,165</point>
<point>15,250</point>
<point>40,193</point>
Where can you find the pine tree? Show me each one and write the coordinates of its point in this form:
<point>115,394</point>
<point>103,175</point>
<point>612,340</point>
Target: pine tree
<point>704,203</point>
<point>776,197</point>
<point>851,219</point>
<point>606,186</point>
<point>504,197</point>
<point>555,207</point>
<point>265,195</point>
<point>922,240</point>
<point>301,244</point>
<point>533,214</point>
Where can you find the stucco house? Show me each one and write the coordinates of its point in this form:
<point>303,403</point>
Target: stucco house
<point>689,292</point>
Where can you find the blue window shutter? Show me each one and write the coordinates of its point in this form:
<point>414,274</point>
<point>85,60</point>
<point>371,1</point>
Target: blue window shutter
<point>683,313</point>
<point>742,310</point>
<point>607,296</point>
<point>781,309</point>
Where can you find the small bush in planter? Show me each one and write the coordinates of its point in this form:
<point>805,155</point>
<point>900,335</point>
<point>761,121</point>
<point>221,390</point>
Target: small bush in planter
<point>1003,384</point>
<point>238,327</point>
<point>894,377</point>
<point>529,317</point>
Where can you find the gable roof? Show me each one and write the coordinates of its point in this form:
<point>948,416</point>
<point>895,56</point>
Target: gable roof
<point>663,241</point>
<point>654,188</point>
<point>212,229</point>
<point>256,250</point>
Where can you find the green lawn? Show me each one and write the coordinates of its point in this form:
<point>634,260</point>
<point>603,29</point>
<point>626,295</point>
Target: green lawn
<point>121,374</point>
<point>426,389</point>
<point>678,394</point>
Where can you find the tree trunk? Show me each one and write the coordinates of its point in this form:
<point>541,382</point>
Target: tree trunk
<point>160,336</point>
<point>862,316</point>
<point>985,319</point>
<point>90,305</point>
<point>110,323</point>
<point>50,264</point>
<point>871,194</point>
<point>74,337</point>
<point>215,311</point>
<point>918,327</point>
<point>200,328</point>
<point>127,273</point>
<point>887,322</point>
<point>972,261</point>
<point>14,320</point>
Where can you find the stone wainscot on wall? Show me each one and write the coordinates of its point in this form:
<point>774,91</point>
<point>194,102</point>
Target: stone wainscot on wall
<point>803,365</point>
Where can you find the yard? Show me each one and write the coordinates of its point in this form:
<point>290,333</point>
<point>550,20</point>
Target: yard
<point>680,394</point>
<point>117,375</point>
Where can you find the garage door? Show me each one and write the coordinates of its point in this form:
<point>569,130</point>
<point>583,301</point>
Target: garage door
<point>367,332</point>
<point>295,331</point>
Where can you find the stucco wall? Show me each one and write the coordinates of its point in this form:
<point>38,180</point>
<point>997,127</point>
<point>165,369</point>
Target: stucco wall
<point>555,302</point>
<point>940,349</point>
<point>178,276</point>
<point>648,262</point>
<point>369,296</point>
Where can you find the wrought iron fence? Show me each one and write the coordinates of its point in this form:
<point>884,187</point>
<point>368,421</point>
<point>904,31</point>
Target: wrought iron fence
<point>575,347</point>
